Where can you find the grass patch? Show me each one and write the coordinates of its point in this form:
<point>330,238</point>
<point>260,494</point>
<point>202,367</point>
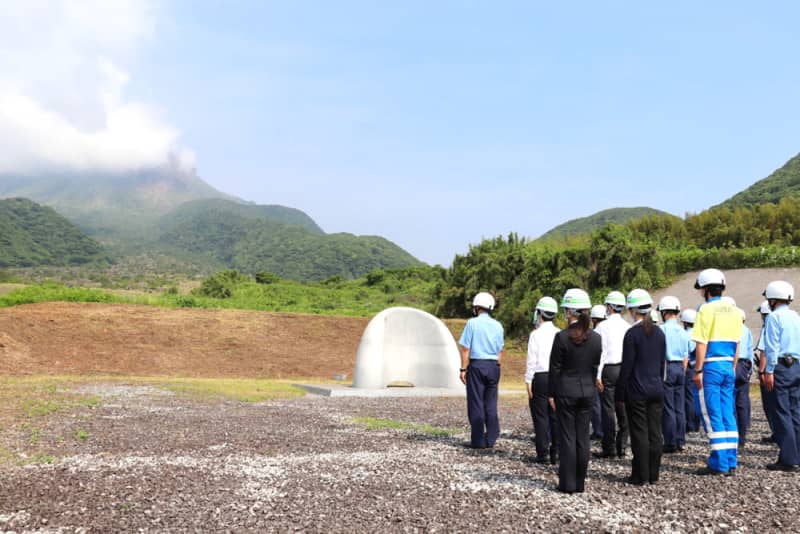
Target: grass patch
<point>81,435</point>
<point>240,389</point>
<point>373,423</point>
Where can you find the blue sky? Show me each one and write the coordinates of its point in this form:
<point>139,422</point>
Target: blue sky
<point>435,124</point>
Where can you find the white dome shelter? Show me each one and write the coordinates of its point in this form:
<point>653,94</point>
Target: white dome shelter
<point>409,347</point>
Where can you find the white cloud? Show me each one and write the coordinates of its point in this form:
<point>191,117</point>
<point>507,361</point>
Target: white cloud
<point>63,74</point>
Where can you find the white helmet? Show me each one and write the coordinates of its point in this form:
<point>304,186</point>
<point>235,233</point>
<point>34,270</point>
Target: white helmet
<point>547,304</point>
<point>483,300</point>
<point>689,316</point>
<point>709,277</point>
<point>615,298</point>
<point>764,308</point>
<point>669,304</point>
<point>779,290</point>
<point>639,298</point>
<point>598,311</point>
<point>654,316</point>
<point>728,300</point>
<point>576,299</point>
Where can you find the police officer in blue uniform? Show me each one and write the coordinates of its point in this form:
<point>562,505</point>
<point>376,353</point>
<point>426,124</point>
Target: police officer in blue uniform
<point>744,370</point>
<point>767,397</point>
<point>677,359</point>
<point>782,375</point>
<point>481,346</point>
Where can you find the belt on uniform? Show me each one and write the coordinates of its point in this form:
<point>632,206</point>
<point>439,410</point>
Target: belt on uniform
<point>787,360</point>
<point>675,361</point>
<point>718,359</point>
<point>612,364</point>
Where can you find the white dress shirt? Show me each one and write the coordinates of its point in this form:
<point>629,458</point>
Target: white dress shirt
<point>540,343</point>
<point>611,331</point>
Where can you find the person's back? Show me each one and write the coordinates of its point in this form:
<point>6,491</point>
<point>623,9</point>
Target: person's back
<point>641,377</point>
<point>573,375</point>
<point>484,337</point>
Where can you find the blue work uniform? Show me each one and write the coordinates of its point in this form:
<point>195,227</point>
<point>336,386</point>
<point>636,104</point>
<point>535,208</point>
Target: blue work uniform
<point>782,348</point>
<point>483,336</point>
<point>692,403</point>
<point>673,420</point>
<point>719,327</point>
<point>744,370</point>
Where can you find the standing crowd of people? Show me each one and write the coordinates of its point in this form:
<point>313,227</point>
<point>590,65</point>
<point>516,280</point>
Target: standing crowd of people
<point>642,383</point>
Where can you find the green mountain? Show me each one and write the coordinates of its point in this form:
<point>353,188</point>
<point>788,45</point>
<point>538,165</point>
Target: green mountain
<point>287,242</point>
<point>784,182</point>
<point>585,225</point>
<point>112,207</point>
<point>31,234</point>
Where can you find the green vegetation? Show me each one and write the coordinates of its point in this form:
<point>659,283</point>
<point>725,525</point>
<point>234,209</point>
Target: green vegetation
<point>112,207</point>
<point>365,296</point>
<point>239,389</point>
<point>783,183</point>
<point>648,252</point>
<point>251,239</point>
<point>31,234</point>
<point>585,225</point>
<point>81,435</point>
<point>372,423</point>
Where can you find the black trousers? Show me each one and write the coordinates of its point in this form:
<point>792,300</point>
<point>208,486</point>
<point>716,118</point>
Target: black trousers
<point>615,423</point>
<point>644,421</point>
<point>544,418</point>
<point>574,416</point>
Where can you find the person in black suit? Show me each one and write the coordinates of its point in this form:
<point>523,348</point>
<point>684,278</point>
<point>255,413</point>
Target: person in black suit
<point>574,359</point>
<point>641,388</point>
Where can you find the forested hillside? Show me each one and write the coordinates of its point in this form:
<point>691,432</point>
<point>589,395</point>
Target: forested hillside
<point>784,182</point>
<point>647,253</point>
<point>253,238</point>
<point>115,208</point>
<point>585,225</point>
<point>31,234</point>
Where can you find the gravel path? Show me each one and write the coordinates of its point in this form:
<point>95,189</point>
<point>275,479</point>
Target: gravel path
<point>155,462</point>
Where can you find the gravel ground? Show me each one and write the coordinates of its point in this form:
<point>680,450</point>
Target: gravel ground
<point>154,462</point>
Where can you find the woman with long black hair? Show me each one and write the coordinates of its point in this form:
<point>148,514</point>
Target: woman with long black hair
<point>573,367</point>
<point>641,388</point>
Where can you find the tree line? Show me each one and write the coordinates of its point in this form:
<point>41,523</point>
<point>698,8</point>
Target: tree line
<point>648,252</point>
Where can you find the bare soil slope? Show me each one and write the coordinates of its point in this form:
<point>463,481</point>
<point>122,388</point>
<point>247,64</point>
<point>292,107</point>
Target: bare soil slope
<point>67,338</point>
<point>81,339</point>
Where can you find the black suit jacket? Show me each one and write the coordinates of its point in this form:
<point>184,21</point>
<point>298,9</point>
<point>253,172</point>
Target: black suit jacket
<point>573,368</point>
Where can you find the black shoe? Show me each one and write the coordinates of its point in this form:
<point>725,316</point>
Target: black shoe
<point>777,466</point>
<point>602,455</point>
<point>768,439</point>
<point>620,453</point>
<point>679,448</point>
<point>595,437</point>
<point>669,449</point>
<point>553,459</point>
<point>708,471</point>
<point>539,460</point>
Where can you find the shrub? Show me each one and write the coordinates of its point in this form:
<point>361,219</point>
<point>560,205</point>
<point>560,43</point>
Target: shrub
<point>266,277</point>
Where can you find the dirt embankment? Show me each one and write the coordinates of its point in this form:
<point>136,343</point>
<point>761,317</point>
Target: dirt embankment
<point>69,338</point>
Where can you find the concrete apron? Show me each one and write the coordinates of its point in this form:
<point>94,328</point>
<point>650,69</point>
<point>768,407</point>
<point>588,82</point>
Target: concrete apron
<point>343,390</point>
